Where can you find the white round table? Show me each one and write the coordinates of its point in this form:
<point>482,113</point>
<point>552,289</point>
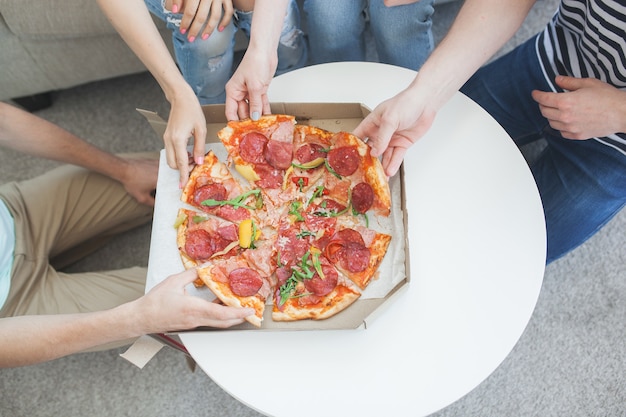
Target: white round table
<point>477,255</point>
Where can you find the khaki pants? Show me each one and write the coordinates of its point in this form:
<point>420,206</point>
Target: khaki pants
<point>60,217</point>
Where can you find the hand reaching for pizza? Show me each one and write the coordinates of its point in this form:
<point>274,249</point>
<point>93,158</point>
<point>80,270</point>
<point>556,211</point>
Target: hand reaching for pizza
<point>186,120</point>
<point>168,307</point>
<point>246,91</point>
<point>393,126</point>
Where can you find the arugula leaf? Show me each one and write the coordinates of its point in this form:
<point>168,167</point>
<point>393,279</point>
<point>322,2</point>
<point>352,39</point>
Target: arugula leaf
<point>330,169</point>
<point>294,209</point>
<point>237,201</point>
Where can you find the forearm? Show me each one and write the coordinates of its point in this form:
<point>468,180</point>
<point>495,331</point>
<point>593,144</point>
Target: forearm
<point>267,23</point>
<point>27,340</point>
<point>24,132</point>
<point>481,28</point>
<point>132,20</point>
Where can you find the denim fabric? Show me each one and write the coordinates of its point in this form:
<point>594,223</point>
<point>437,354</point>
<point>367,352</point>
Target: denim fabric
<point>582,183</point>
<point>403,34</point>
<point>207,65</point>
<point>292,47</point>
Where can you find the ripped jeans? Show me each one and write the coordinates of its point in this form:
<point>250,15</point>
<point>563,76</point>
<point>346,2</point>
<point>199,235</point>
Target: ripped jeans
<point>207,65</point>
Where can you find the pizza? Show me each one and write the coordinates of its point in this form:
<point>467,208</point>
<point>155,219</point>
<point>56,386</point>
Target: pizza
<point>283,222</point>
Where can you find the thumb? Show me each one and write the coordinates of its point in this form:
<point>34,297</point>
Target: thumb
<point>568,83</point>
<point>183,278</point>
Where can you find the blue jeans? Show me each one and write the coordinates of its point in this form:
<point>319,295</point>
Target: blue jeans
<point>403,34</point>
<point>207,65</point>
<point>582,183</point>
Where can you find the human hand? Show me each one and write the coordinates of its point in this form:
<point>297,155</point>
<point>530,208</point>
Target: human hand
<point>168,307</point>
<point>198,13</point>
<point>393,126</point>
<point>140,179</point>
<point>246,91</point>
<point>186,119</point>
<point>589,108</point>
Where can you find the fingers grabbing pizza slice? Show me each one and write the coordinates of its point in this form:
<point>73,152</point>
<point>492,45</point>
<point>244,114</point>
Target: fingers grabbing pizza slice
<point>237,284</point>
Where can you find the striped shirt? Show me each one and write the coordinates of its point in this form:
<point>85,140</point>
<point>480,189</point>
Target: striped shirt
<point>587,39</point>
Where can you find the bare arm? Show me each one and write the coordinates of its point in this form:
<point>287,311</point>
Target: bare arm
<point>133,22</point>
<point>26,340</point>
<point>246,92</point>
<point>27,133</point>
<point>481,28</point>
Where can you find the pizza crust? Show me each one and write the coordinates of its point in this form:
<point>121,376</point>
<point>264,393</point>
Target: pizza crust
<point>338,300</point>
<point>378,249</point>
<point>223,292</point>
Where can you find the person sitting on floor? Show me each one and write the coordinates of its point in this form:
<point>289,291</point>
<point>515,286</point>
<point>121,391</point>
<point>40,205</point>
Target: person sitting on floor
<point>52,220</point>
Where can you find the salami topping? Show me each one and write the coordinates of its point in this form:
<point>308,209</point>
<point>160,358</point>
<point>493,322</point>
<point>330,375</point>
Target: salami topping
<point>244,282</point>
<point>234,214</point>
<point>354,257</point>
<point>210,192</point>
<point>362,197</point>
<point>347,248</point>
<point>282,275</point>
<point>200,244</point>
<point>344,160</point>
<point>252,147</point>
<point>322,286</point>
<point>279,154</point>
<point>309,152</point>
<point>347,235</point>
<point>270,177</point>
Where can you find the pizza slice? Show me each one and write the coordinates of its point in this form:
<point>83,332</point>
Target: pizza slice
<point>212,189</point>
<point>353,176</point>
<point>356,252</point>
<point>308,286</point>
<point>237,284</point>
<point>310,147</point>
<point>260,150</point>
<point>200,237</point>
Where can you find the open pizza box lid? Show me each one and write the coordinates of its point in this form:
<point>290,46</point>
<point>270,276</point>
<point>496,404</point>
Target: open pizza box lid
<point>393,273</point>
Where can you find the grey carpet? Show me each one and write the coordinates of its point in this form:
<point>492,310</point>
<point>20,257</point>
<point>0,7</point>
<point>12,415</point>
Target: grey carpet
<point>570,361</point>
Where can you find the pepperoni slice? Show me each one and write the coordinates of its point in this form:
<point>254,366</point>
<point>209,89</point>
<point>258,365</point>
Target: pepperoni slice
<point>362,197</point>
<point>244,282</point>
<point>309,151</point>
<point>200,244</point>
<point>348,235</point>
<point>209,192</point>
<point>319,286</point>
<point>279,154</point>
<point>354,257</point>
<point>293,248</point>
<point>344,160</point>
<point>282,275</point>
<point>270,176</point>
<point>334,250</point>
<point>234,214</point>
<point>197,244</point>
<point>252,147</point>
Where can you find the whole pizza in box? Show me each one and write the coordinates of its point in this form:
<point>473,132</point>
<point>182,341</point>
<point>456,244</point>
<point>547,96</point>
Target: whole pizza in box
<point>284,221</point>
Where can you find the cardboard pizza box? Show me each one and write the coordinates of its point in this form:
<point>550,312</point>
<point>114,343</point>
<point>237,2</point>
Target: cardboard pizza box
<point>393,275</point>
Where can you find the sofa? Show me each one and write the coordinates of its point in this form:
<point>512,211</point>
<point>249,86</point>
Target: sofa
<point>48,45</point>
